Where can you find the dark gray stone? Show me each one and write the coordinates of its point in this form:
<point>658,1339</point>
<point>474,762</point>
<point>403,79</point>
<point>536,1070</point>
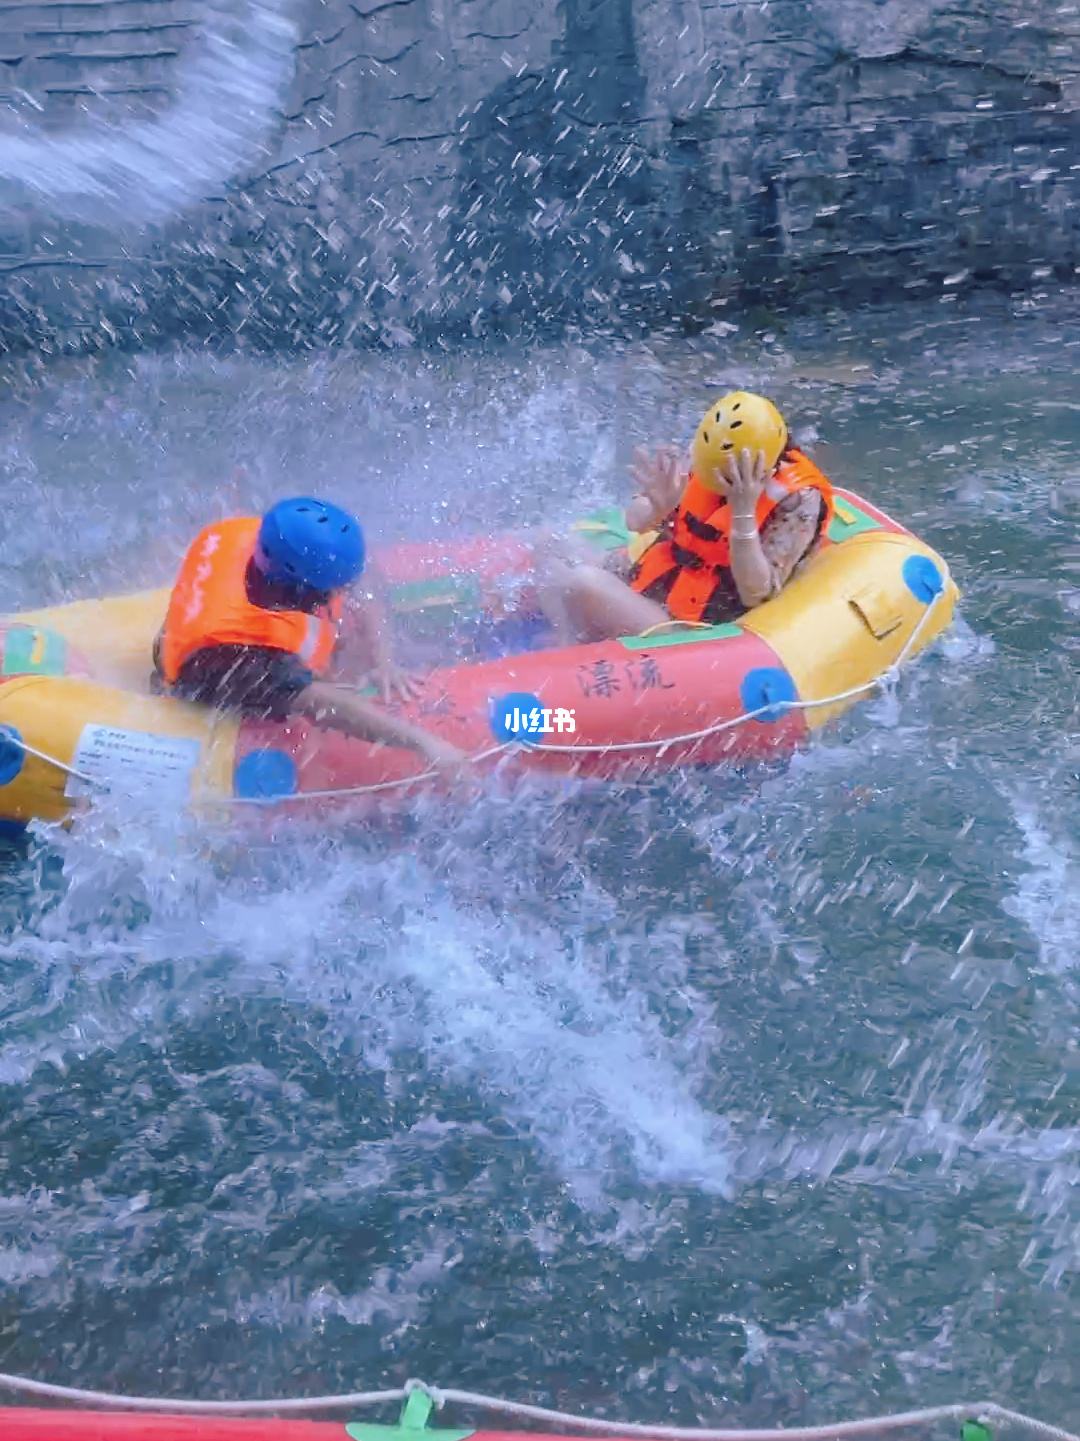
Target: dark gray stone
<point>288,172</point>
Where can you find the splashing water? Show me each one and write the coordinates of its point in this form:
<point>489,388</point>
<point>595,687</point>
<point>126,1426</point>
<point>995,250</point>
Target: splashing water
<point>748,1096</point>
<point>227,92</point>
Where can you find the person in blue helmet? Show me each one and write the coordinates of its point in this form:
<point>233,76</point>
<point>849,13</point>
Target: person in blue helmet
<point>254,618</point>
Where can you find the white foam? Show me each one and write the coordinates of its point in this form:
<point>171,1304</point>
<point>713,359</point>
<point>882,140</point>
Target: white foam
<point>1047,893</point>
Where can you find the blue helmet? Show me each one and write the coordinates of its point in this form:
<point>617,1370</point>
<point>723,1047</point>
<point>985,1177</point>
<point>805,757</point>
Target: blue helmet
<point>310,543</point>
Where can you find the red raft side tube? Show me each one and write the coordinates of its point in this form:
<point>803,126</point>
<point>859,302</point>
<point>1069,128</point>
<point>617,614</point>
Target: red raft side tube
<point>651,695</point>
<point>31,1424</point>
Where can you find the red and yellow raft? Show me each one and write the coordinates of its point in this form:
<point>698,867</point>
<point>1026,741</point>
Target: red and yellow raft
<point>75,707</point>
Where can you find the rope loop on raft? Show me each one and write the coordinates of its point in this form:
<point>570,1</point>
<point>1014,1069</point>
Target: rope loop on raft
<point>980,1414</point>
<point>673,625</point>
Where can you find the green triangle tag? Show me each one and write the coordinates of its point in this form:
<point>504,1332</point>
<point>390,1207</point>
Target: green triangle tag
<point>975,1431</point>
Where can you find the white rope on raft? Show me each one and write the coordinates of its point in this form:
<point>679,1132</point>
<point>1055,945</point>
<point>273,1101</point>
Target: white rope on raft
<point>7,738</point>
<point>773,708</point>
<point>983,1411</point>
<point>429,774</point>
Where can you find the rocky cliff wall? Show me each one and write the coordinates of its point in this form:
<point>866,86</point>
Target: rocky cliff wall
<point>317,171</point>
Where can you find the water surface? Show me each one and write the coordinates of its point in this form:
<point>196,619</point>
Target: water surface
<point>737,1098</point>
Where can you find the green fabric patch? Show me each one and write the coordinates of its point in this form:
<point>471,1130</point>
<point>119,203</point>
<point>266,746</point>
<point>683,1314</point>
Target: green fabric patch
<point>30,651</point>
<point>366,1431</point>
<point>606,529</point>
<point>412,1425</point>
<point>461,592</point>
<point>848,520</point>
<point>680,637</point>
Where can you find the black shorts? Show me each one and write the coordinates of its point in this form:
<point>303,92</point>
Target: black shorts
<point>252,679</point>
<point>722,606</point>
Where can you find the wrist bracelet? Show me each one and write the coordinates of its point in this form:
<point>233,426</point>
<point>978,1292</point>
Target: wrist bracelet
<point>737,534</point>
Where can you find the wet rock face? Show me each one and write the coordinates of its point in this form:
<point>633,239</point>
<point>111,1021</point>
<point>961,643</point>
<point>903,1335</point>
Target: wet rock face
<point>352,170</point>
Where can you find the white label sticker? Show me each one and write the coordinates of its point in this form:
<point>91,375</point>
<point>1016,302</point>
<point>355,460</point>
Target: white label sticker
<point>135,762</point>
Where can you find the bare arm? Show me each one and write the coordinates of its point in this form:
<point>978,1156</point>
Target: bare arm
<point>762,561</point>
<point>344,710</point>
<point>369,626</point>
<point>750,571</point>
<point>369,638</point>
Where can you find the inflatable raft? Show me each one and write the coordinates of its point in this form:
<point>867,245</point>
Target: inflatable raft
<point>77,715</point>
<point>219,1421</point>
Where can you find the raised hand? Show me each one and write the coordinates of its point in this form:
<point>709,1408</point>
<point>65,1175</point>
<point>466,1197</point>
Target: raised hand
<point>745,473</point>
<point>660,477</point>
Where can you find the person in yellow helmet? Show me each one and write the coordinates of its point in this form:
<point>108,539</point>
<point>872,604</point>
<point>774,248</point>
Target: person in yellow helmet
<point>721,535</point>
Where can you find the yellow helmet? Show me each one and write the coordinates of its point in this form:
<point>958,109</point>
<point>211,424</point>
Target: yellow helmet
<point>737,421</point>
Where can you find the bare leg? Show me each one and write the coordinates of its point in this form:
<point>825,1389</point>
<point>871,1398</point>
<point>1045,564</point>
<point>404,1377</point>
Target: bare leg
<point>584,602</point>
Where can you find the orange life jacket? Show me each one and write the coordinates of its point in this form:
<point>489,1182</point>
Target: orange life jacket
<point>209,606</point>
<point>690,566</point>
